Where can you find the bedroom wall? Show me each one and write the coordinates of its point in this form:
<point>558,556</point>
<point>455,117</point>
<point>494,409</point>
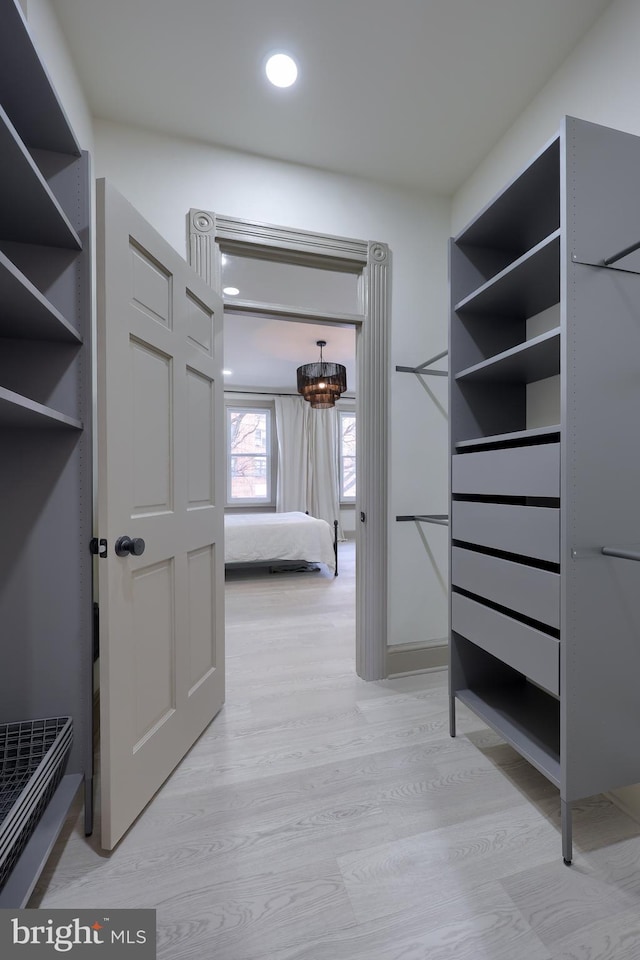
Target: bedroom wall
<point>599,82</point>
<point>163,177</point>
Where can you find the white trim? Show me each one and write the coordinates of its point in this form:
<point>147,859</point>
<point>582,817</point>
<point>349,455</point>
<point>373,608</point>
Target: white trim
<point>409,658</point>
<point>208,235</point>
<point>271,454</point>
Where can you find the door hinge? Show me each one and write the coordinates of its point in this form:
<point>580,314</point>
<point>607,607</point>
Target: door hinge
<point>98,547</point>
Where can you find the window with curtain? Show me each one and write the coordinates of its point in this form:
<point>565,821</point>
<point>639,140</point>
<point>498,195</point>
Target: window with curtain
<point>251,457</point>
<point>347,458</point>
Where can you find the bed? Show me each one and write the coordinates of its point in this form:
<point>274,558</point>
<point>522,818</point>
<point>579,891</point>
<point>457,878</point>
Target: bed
<point>273,538</point>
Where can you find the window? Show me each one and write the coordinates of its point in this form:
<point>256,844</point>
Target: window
<point>250,459</point>
<point>347,423</point>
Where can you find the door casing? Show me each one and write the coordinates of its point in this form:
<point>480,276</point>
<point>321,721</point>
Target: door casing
<point>210,235</point>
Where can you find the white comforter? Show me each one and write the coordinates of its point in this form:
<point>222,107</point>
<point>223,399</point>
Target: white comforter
<point>252,537</point>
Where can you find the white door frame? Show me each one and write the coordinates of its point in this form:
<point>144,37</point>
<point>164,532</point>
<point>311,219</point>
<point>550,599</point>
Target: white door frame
<point>210,235</point>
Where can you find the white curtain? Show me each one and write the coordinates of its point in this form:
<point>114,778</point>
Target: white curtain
<point>308,459</point>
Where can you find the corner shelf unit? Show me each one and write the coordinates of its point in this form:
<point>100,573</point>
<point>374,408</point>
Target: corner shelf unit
<point>45,420</point>
<point>544,625</point>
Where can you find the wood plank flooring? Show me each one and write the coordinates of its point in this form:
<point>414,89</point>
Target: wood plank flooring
<point>324,818</point>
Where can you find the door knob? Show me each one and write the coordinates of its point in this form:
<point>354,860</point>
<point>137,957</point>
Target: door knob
<point>130,545</point>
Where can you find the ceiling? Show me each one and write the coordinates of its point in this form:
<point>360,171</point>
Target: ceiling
<point>413,93</point>
<point>267,352</point>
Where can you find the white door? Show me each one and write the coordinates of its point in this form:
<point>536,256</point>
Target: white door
<point>160,423</point>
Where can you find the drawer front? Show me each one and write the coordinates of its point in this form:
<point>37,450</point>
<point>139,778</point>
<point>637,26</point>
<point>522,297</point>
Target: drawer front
<point>531,592</point>
<point>531,652</point>
<point>530,531</point>
<point>516,472</point>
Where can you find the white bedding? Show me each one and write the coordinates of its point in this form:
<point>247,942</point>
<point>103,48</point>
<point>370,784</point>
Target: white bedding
<point>255,537</point>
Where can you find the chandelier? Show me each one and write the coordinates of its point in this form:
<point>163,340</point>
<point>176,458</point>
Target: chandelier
<point>321,383</point>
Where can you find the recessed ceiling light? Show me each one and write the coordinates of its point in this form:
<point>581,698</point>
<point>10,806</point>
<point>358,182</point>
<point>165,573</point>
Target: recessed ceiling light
<point>227,373</point>
<point>281,70</point>
<point>230,291</point>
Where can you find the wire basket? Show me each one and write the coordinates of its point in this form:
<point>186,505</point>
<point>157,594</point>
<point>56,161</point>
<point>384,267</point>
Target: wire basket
<point>33,756</point>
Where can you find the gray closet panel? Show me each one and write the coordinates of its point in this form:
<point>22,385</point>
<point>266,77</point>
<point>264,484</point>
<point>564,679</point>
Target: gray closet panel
<point>527,590</point>
<point>591,172</point>
<point>46,607</point>
<point>529,651</point>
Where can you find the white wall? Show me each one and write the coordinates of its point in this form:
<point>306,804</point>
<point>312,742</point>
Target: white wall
<point>164,177</point>
<point>599,82</point>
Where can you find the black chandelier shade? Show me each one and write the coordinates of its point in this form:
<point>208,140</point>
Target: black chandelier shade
<point>322,383</point>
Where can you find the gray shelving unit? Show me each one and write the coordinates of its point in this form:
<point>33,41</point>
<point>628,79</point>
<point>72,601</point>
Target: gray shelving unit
<point>545,525</point>
<point>45,426</point>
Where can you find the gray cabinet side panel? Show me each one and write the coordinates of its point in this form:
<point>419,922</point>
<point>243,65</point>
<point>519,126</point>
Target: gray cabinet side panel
<point>600,718</point>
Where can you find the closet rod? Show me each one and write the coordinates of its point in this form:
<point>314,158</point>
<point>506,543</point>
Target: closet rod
<point>421,369</point>
<point>439,518</point>
<point>621,551</point>
<point>623,253</point>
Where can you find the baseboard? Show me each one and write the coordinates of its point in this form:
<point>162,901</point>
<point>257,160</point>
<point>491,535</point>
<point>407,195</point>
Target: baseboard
<point>408,658</point>
<point>627,799</point>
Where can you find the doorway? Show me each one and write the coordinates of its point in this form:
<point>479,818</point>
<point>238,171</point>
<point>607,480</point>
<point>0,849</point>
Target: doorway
<point>212,235</point>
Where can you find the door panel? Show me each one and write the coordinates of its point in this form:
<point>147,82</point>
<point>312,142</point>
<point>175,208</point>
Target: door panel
<point>160,415</point>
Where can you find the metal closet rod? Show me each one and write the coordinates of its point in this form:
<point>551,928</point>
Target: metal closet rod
<point>621,551</point>
<point>623,253</point>
<point>439,518</point>
<point>422,368</point>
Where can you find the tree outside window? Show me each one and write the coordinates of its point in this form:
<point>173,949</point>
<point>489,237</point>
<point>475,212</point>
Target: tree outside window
<point>347,455</point>
<point>249,455</point>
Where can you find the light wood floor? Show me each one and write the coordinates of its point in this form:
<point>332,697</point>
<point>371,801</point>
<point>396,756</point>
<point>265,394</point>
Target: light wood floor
<point>324,818</point>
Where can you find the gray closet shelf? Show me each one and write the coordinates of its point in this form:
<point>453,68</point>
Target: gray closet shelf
<point>26,198</point>
<point>507,439</point>
<point>523,213</point>
<point>19,411</point>
<point>535,359</point>
<point>526,717</point>
<point>523,288</point>
<point>25,313</point>
<point>31,101</point>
